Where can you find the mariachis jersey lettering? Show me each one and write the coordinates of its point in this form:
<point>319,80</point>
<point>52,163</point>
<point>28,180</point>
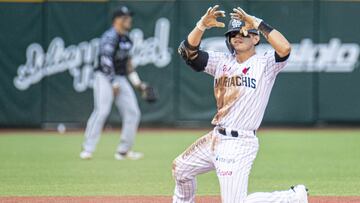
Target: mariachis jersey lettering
<point>242,90</point>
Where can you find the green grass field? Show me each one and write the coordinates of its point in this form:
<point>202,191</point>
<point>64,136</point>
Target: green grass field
<point>47,164</point>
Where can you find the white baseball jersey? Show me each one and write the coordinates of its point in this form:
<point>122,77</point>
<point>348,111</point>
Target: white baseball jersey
<point>242,90</point>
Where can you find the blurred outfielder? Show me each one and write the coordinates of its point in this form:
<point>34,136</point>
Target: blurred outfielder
<point>111,84</point>
<point>243,81</point>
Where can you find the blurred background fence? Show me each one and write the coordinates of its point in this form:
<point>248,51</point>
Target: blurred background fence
<point>48,51</point>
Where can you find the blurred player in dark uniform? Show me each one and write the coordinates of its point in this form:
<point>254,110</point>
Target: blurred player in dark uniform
<point>111,83</point>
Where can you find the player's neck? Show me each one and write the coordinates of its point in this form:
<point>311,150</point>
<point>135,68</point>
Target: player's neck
<point>243,56</point>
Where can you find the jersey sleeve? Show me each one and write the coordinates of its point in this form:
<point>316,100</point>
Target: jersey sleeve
<point>274,63</point>
<point>108,44</point>
<point>213,61</point>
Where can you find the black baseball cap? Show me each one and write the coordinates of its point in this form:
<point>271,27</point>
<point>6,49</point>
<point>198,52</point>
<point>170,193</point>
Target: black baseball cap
<point>121,11</point>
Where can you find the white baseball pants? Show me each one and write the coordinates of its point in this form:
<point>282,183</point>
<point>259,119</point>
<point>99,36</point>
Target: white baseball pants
<point>232,158</point>
<point>126,104</point>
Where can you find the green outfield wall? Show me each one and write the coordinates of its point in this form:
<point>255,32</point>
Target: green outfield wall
<point>48,52</point>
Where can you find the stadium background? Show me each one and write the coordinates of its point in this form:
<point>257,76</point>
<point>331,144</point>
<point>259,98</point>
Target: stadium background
<point>47,55</point>
<point>304,97</point>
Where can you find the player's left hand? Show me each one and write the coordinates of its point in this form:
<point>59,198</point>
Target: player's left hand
<point>116,88</point>
<point>148,93</point>
<point>251,22</point>
<point>116,91</point>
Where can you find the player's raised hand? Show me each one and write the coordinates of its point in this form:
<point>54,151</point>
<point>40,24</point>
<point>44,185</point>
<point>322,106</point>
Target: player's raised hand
<point>251,22</point>
<point>209,19</point>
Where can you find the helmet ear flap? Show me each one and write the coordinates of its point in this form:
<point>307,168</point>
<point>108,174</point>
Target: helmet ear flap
<point>228,44</point>
<point>258,41</point>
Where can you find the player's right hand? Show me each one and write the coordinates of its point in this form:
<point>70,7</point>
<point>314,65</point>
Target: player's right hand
<point>209,20</point>
<point>251,22</point>
<point>116,89</point>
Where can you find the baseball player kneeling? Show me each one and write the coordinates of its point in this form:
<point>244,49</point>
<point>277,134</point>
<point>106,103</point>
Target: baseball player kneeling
<point>111,84</point>
<point>243,81</point>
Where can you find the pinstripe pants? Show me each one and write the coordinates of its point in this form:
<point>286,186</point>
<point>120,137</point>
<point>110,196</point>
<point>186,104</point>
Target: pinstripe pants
<point>232,159</point>
<point>125,102</point>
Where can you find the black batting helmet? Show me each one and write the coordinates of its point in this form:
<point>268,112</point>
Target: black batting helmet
<point>235,26</point>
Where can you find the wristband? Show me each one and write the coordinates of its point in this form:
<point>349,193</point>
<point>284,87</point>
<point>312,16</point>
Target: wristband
<point>265,29</point>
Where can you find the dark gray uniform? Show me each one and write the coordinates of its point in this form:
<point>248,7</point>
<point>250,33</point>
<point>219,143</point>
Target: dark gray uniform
<point>114,56</point>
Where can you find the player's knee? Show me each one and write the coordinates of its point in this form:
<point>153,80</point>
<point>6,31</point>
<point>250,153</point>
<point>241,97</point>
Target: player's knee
<point>134,113</point>
<point>176,171</point>
<point>100,113</point>
<point>137,113</point>
<point>173,168</point>
<point>103,113</point>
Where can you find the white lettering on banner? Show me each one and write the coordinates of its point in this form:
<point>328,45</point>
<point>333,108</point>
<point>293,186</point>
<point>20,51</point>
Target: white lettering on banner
<point>307,56</point>
<point>81,60</point>
<point>153,50</point>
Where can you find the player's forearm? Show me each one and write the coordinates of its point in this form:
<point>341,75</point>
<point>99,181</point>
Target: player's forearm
<point>109,72</point>
<point>107,63</point>
<point>194,38</point>
<point>279,43</point>
<point>135,80</point>
<point>276,39</point>
<point>133,76</point>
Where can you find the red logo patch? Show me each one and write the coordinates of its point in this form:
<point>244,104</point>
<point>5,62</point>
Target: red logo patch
<point>245,70</point>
